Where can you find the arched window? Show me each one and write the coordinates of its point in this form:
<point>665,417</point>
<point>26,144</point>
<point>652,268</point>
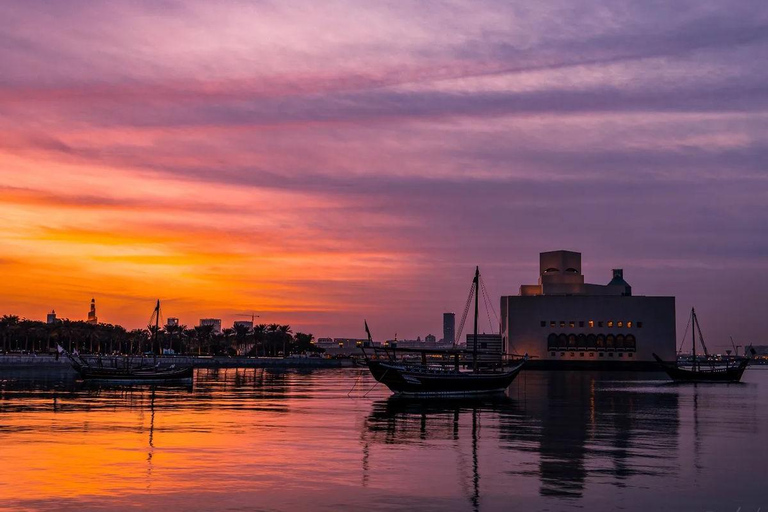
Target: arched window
<point>572,341</point>
<point>581,341</point>
<point>591,341</point>
<point>610,341</point>
<point>620,341</point>
<point>551,270</point>
<point>552,341</point>
<point>629,342</point>
<point>571,271</point>
<point>562,340</point>
<point>600,341</point>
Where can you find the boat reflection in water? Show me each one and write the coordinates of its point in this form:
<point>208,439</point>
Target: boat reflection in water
<point>561,429</point>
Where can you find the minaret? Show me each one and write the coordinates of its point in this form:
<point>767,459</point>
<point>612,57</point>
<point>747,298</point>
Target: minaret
<point>92,313</point>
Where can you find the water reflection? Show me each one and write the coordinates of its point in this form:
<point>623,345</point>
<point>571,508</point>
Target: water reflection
<point>289,440</point>
<point>577,430</point>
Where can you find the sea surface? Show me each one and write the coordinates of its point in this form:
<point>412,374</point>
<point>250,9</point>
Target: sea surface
<point>334,440</point>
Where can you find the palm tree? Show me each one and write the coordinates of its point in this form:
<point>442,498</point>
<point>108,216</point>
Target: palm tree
<point>203,335</point>
<point>8,324</point>
<point>241,336</point>
<point>285,335</point>
<point>191,335</point>
<point>227,333</point>
<point>259,336</point>
<point>170,329</point>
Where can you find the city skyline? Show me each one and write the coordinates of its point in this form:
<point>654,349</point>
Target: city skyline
<point>323,165</point>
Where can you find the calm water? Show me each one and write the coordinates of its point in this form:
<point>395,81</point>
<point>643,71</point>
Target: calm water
<point>266,440</point>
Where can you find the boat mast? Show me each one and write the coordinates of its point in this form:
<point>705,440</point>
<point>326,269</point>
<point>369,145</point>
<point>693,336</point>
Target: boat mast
<point>157,327</point>
<point>477,293</point>
<point>693,334</point>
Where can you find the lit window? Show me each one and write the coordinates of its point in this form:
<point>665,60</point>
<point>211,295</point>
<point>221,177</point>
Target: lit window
<point>639,325</point>
<point>572,323</point>
<point>610,323</point>
<point>620,324</point>
<point>591,323</point>
<point>543,323</point>
<point>562,323</point>
<point>553,323</point>
<point>581,323</point>
<point>629,324</point>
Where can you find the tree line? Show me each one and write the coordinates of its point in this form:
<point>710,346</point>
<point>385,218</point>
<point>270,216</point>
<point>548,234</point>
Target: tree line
<point>33,336</point>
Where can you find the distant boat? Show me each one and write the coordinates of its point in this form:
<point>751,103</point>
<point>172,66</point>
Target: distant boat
<point>409,379</point>
<point>130,374</point>
<point>707,371</point>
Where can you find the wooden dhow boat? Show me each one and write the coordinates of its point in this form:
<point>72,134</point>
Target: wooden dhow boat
<point>424,380</point>
<point>709,370</point>
<point>129,374</point>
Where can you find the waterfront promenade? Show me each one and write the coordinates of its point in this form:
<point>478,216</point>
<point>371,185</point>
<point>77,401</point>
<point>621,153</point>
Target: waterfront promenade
<point>50,361</point>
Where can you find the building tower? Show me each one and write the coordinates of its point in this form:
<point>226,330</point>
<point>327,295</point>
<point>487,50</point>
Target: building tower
<point>449,328</point>
<point>51,318</point>
<point>92,319</point>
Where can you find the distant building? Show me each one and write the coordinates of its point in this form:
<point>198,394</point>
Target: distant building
<point>449,328</point>
<point>244,323</point>
<point>349,342</point>
<point>51,318</point>
<point>92,318</point>
<point>430,339</point>
<point>325,343</point>
<point>215,322</point>
<point>564,322</point>
<point>173,321</point>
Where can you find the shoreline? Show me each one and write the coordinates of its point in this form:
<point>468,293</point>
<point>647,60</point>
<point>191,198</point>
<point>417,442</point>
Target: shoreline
<point>12,361</point>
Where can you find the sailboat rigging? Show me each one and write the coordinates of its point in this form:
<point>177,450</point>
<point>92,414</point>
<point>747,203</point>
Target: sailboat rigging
<point>409,379</point>
<point>709,371</point>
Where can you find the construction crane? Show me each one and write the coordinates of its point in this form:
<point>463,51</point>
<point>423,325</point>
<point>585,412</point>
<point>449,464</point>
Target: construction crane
<point>253,316</point>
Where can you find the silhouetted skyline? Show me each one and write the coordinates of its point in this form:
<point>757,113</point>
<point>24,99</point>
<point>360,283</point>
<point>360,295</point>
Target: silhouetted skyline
<point>326,163</point>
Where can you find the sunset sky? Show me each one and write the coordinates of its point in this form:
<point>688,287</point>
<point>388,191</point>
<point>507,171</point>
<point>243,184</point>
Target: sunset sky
<point>319,163</point>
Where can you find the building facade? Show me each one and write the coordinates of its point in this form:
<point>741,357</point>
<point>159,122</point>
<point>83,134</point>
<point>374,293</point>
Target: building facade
<point>213,322</point>
<point>449,328</point>
<point>563,322</point>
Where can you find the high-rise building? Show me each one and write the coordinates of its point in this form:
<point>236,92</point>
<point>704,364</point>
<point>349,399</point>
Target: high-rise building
<point>51,319</point>
<point>172,321</point>
<point>449,328</point>
<point>92,319</point>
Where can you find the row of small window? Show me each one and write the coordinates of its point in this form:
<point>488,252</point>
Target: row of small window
<point>592,354</point>
<point>591,323</point>
<point>591,342</point>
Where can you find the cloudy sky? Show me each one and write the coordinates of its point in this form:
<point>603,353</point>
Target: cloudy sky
<point>324,162</point>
